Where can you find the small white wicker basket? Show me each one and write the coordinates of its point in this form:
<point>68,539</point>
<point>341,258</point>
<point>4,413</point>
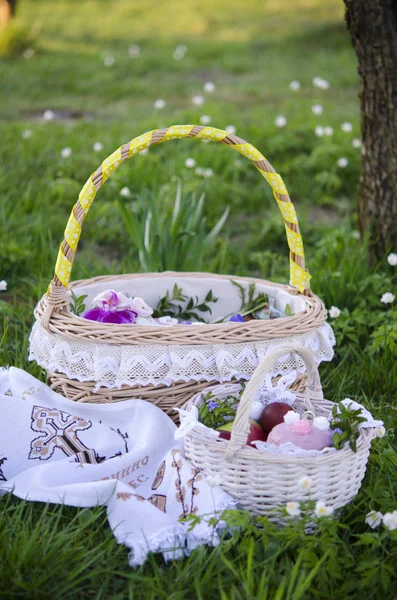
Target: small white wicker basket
<point>263,481</point>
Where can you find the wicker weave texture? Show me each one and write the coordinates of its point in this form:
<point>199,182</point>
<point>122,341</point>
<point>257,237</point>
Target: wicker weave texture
<point>262,482</point>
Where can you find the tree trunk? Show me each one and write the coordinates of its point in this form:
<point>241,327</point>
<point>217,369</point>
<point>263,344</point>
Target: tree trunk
<point>373,29</point>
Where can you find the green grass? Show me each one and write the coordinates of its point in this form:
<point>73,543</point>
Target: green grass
<point>251,50</point>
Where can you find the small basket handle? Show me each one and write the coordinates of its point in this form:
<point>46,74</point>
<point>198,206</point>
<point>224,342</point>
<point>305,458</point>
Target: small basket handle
<point>299,276</point>
<point>240,427</point>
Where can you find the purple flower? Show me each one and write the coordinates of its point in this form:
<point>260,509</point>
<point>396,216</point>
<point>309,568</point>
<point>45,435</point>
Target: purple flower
<point>212,404</point>
<point>106,316</point>
<point>237,318</point>
<point>94,314</point>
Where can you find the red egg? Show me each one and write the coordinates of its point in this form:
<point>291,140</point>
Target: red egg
<point>273,415</point>
<point>256,432</point>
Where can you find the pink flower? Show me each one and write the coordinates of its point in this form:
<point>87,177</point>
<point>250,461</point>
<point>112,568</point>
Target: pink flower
<point>141,308</point>
<point>111,300</point>
<point>301,427</point>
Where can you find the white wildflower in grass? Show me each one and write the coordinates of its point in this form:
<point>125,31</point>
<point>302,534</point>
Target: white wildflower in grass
<point>208,173</point>
<point>190,163</point>
<point>144,151</point>
<point>356,143</point>
<point>317,109</point>
<point>109,61</point>
<point>48,115</point>
<point>66,152</point>
<point>334,312</point>
<point>205,119</point>
<point>3,285</point>
<point>380,431</point>
<point>305,483</point>
<point>214,480</point>
<point>230,129</point>
<point>392,259</point>
<point>98,146</point>
<point>209,87</point>
<point>342,162</point>
<point>390,520</point>
<point>198,100</point>
<point>319,131</point>
<point>199,171</point>
<point>355,235</point>
<point>295,86</point>
<point>321,83</point>
<point>322,510</point>
<point>179,52</point>
<point>293,509</point>
<point>134,51</point>
<point>387,298</point>
<point>27,133</point>
<point>280,121</point>
<point>28,53</point>
<point>328,130</point>
<point>125,192</point>
<point>160,104</point>
<point>373,519</point>
<point>346,127</point>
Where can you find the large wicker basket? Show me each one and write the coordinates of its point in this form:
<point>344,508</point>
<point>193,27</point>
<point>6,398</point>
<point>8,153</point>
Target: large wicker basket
<point>263,481</point>
<point>101,362</point>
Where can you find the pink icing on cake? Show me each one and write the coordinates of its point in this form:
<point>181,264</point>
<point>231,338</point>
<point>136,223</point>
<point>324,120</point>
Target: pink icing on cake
<point>301,434</point>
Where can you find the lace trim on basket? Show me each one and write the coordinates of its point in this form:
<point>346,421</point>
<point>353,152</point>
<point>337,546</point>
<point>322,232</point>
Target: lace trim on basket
<point>112,366</point>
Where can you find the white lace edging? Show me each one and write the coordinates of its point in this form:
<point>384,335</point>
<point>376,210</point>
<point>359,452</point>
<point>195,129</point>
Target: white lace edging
<point>112,366</point>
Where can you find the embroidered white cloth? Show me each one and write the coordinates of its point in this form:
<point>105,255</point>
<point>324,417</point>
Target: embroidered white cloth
<point>122,455</point>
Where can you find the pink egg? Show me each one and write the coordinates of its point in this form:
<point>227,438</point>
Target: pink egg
<point>301,434</point>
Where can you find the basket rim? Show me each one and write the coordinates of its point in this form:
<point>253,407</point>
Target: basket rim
<point>68,325</point>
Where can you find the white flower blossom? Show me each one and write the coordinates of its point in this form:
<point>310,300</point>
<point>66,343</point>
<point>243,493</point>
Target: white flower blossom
<point>334,312</point>
<point>3,285</point>
<point>66,152</point>
<point>98,146</point>
<point>134,51</point>
<point>214,480</point>
<point>230,129</point>
<point>198,100</point>
<point>109,61</point>
<point>328,130</point>
<point>140,306</point>
<point>291,417</point>
<point>355,235</point>
<point>380,431</point>
<point>342,162</point>
<point>205,119</point>
<point>160,104</point>
<point>387,298</point>
<point>190,163</point>
<point>321,83</point>
<point>305,482</point>
<point>280,121</point>
<point>322,510</point>
<point>125,192</point>
<point>356,143</point>
<point>319,131</point>
<point>392,259</point>
<point>199,171</point>
<point>27,133</point>
<point>346,127</point>
<point>48,115</point>
<point>390,520</point>
<point>317,109</point>
<point>208,173</point>
<point>179,52</point>
<point>28,53</point>
<point>293,509</point>
<point>294,86</point>
<point>373,519</point>
<point>209,87</point>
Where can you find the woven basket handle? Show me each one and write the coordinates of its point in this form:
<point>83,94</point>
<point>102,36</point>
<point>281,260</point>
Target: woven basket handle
<point>241,422</point>
<point>299,276</point>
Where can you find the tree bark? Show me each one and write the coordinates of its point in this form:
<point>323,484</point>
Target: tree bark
<point>373,29</point>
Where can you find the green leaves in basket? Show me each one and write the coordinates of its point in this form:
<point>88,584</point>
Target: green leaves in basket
<point>77,305</point>
<point>214,412</point>
<point>187,309</point>
<point>345,424</point>
<point>251,302</point>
